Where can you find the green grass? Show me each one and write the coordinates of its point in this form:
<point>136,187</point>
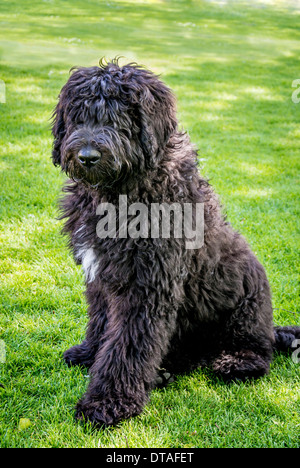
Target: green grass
<point>232,68</point>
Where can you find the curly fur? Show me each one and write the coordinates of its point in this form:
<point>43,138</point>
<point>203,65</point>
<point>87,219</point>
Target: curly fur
<point>152,303</point>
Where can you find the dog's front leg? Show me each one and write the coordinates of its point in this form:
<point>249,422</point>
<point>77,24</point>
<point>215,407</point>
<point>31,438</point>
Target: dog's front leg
<point>84,353</point>
<point>125,369</point>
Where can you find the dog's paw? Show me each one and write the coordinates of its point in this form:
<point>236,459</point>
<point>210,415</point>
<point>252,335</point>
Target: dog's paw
<point>240,366</point>
<point>93,412</point>
<point>105,412</point>
<point>79,355</point>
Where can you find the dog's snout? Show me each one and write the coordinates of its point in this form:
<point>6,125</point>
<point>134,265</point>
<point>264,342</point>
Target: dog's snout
<point>88,156</point>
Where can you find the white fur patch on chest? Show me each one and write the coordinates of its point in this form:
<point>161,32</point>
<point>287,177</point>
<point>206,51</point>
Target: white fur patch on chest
<point>90,265</point>
<point>89,262</point>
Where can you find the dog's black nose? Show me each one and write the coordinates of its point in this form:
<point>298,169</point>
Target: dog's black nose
<point>88,157</point>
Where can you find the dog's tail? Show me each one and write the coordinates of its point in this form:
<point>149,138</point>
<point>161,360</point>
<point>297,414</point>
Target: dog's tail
<point>286,338</point>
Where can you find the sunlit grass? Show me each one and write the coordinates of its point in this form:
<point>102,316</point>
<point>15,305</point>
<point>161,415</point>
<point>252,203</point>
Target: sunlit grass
<point>231,65</point>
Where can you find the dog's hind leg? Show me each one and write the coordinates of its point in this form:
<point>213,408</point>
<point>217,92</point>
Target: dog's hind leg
<point>248,339</point>
<point>234,296</point>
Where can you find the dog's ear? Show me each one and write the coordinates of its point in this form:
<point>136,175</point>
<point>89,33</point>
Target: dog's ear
<point>58,131</point>
<point>147,136</point>
<point>158,120</point>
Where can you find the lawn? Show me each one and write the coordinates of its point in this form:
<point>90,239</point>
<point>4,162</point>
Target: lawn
<point>231,65</point>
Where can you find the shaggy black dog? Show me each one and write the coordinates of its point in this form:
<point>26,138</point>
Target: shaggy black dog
<point>153,303</point>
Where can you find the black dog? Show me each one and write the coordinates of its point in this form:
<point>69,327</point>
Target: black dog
<point>153,303</point>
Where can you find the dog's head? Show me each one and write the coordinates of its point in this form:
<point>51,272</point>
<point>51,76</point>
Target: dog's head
<point>110,122</point>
